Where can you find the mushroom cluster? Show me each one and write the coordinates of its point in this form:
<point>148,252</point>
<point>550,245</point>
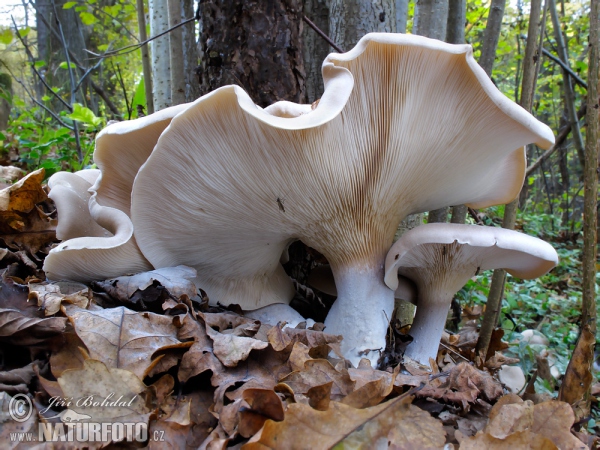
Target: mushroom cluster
<point>406,124</point>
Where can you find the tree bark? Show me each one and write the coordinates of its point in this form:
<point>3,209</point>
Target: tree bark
<point>431,17</point>
<point>590,176</point>
<point>190,53</point>
<point>255,46</point>
<point>455,32</point>
<point>316,48</point>
<point>349,20</point>
<point>491,35</point>
<point>161,60</point>
<point>146,66</point>
<point>176,56</point>
<point>401,15</point>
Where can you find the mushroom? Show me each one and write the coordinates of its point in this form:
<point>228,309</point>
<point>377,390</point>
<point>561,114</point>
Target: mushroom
<point>69,192</point>
<point>239,183</point>
<point>121,149</point>
<point>440,259</point>
<point>321,278</point>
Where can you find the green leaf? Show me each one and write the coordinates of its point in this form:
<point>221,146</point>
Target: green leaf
<point>24,31</point>
<point>2,136</point>
<point>64,65</point>
<point>88,18</point>
<point>85,115</point>
<point>69,5</point>
<point>39,64</point>
<point>6,36</point>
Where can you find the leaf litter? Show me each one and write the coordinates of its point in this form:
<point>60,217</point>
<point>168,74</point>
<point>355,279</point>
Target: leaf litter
<point>205,377</point>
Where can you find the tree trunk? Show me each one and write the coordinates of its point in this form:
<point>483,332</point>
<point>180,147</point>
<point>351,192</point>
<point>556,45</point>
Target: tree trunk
<point>316,48</point>
<point>431,18</point>
<point>176,53</point>
<point>590,207</point>
<point>349,20</point>
<point>254,45</point>
<point>190,53</point>
<point>491,36</point>
<point>401,15</point>
<point>457,16</point>
<point>161,63</point>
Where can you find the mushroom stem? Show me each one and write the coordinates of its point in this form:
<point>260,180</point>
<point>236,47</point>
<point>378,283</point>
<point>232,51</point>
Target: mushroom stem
<point>361,312</point>
<point>427,327</point>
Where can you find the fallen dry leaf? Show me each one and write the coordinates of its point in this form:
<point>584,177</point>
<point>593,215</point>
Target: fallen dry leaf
<point>463,384</point>
<point>122,338</point>
<point>50,296</point>
<point>134,288</point>
<point>317,372</point>
<point>263,370</point>
<point>231,349</point>
<point>16,380</point>
<point>396,424</point>
<point>263,404</point>
<point>22,225</point>
<point>511,418</point>
<point>554,420</point>
<point>521,440</point>
<point>95,383</point>
<point>21,321</point>
<point>28,331</point>
<point>578,378</point>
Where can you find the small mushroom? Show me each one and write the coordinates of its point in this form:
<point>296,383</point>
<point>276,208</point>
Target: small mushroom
<point>321,278</point>
<point>440,259</point>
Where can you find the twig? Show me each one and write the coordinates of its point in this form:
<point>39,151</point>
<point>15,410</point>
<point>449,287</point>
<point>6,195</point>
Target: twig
<point>134,47</point>
<point>122,84</point>
<point>475,216</point>
<point>87,72</point>
<point>558,61</point>
<point>322,34</point>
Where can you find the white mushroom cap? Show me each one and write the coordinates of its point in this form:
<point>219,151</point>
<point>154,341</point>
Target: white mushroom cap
<point>98,258</point>
<point>121,149</point>
<point>69,191</point>
<point>394,107</point>
<point>440,259</point>
<point>321,278</point>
